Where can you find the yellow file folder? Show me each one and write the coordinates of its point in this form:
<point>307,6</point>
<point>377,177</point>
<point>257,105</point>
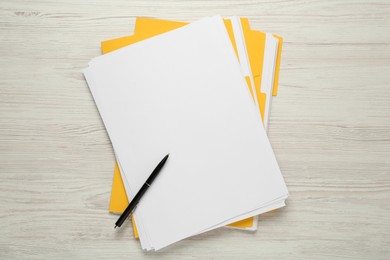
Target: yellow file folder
<point>254,39</point>
<point>146,28</point>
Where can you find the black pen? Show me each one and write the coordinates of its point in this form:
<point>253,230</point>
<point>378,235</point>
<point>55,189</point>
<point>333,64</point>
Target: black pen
<point>140,193</point>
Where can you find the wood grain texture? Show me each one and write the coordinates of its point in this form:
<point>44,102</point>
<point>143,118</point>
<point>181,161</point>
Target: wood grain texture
<point>330,129</point>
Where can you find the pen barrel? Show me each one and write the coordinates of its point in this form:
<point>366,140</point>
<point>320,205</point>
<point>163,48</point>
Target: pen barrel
<point>157,170</point>
<point>138,196</point>
<point>133,204</point>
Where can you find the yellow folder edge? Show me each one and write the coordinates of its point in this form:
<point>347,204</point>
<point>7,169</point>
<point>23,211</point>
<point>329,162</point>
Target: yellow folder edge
<point>277,65</point>
<point>145,28</point>
<point>255,46</point>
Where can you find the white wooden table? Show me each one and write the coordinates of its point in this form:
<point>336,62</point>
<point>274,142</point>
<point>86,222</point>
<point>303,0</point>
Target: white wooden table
<point>330,129</point>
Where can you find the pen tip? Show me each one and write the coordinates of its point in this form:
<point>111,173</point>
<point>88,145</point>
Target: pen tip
<point>115,226</point>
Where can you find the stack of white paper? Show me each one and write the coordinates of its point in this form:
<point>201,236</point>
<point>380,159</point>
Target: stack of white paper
<point>173,94</point>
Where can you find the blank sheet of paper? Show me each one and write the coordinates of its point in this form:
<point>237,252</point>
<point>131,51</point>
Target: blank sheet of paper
<point>183,93</point>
